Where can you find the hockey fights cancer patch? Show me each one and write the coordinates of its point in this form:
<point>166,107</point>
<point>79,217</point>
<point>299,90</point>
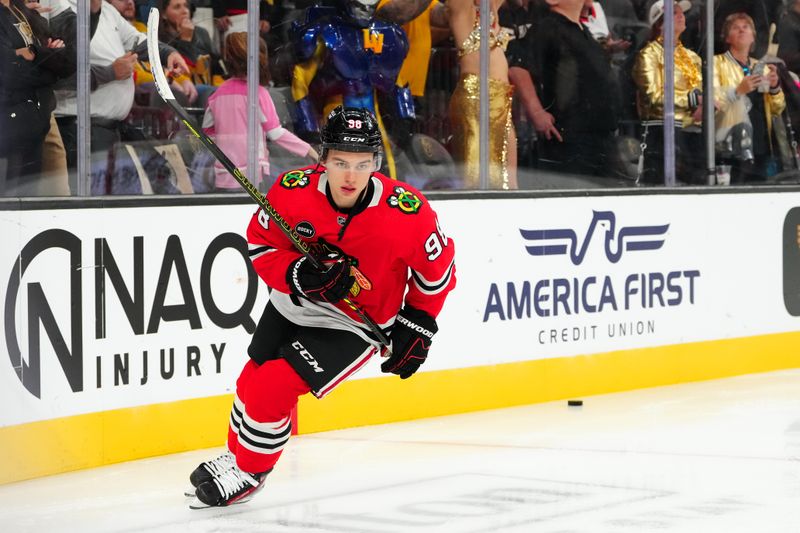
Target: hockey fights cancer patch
<point>294,179</point>
<point>406,201</point>
<point>306,229</point>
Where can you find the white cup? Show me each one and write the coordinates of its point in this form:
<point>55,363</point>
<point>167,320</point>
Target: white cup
<point>723,174</point>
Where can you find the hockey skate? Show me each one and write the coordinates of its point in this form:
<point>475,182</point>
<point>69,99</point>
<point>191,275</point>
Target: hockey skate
<point>208,469</point>
<point>228,488</point>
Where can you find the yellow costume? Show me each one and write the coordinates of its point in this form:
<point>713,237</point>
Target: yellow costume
<point>464,115</point>
<point>414,71</point>
<point>648,74</point>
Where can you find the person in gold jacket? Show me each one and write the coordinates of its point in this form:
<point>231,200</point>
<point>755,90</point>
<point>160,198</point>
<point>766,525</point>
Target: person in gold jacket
<point>648,74</point>
<point>748,97</point>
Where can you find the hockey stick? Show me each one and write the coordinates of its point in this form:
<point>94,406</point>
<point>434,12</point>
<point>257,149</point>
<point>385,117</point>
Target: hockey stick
<point>162,86</point>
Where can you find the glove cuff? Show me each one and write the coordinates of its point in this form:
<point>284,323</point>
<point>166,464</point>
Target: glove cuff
<point>293,276</point>
<point>418,320</point>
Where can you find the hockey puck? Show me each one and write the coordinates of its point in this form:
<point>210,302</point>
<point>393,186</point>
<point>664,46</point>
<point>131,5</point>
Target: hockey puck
<point>575,403</point>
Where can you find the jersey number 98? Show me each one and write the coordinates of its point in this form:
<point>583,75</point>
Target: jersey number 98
<point>435,243</point>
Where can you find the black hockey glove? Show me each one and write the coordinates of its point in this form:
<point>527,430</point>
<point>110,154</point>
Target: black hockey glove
<point>411,338</point>
<point>329,285</point>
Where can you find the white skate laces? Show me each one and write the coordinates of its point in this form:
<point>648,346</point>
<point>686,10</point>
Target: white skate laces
<point>208,469</point>
<point>231,482</point>
<point>221,464</point>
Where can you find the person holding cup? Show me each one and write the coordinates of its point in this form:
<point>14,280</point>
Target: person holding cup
<point>748,97</point>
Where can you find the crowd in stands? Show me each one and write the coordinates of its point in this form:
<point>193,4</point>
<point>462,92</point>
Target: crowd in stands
<point>576,88</point>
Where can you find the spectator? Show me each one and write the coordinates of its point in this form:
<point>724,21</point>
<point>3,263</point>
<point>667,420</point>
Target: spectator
<point>575,115</point>
<point>193,43</point>
<point>465,25</point>
<point>763,13</point>
<point>181,85</point>
<point>179,31</point>
<point>648,74</point>
<point>32,60</point>
<point>747,101</point>
<point>226,116</point>
<point>518,18</point>
<point>54,177</point>
<point>113,52</point>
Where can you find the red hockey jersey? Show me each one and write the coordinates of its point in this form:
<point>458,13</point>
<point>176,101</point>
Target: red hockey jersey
<point>392,232</point>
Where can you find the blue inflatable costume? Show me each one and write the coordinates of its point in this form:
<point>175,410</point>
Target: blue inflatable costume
<point>343,56</point>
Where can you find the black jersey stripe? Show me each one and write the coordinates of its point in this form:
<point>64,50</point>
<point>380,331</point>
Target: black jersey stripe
<point>437,287</point>
<point>259,250</point>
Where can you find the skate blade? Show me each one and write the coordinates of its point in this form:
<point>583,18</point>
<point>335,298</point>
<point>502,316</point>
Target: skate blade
<point>196,504</point>
<point>190,493</point>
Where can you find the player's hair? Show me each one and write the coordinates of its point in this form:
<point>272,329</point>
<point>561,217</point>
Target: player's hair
<point>235,57</point>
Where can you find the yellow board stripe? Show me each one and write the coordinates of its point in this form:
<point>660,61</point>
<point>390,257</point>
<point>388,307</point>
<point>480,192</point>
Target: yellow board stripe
<point>85,441</point>
<point>96,439</point>
<point>377,401</point>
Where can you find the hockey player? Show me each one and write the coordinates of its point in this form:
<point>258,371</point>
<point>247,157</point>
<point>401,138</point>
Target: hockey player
<point>381,245</point>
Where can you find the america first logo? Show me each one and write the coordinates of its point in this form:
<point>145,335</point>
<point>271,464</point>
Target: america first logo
<point>541,242</point>
<point>599,285</point>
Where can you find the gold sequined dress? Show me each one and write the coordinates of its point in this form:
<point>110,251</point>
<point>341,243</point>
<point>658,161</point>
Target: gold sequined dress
<point>464,115</point>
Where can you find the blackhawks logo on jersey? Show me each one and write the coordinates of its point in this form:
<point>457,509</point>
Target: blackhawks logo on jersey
<point>294,179</point>
<point>406,201</point>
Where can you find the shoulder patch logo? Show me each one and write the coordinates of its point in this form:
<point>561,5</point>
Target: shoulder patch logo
<point>406,201</point>
<point>294,179</point>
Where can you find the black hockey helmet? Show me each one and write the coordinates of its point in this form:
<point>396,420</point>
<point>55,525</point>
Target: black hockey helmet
<point>351,129</point>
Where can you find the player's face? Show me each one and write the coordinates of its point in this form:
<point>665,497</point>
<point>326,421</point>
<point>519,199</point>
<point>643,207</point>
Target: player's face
<point>348,175</point>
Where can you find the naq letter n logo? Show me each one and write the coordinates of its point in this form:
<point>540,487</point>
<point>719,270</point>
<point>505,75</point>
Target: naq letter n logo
<point>791,261</point>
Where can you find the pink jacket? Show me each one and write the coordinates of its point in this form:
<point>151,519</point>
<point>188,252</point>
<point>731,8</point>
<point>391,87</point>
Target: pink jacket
<point>226,121</point>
